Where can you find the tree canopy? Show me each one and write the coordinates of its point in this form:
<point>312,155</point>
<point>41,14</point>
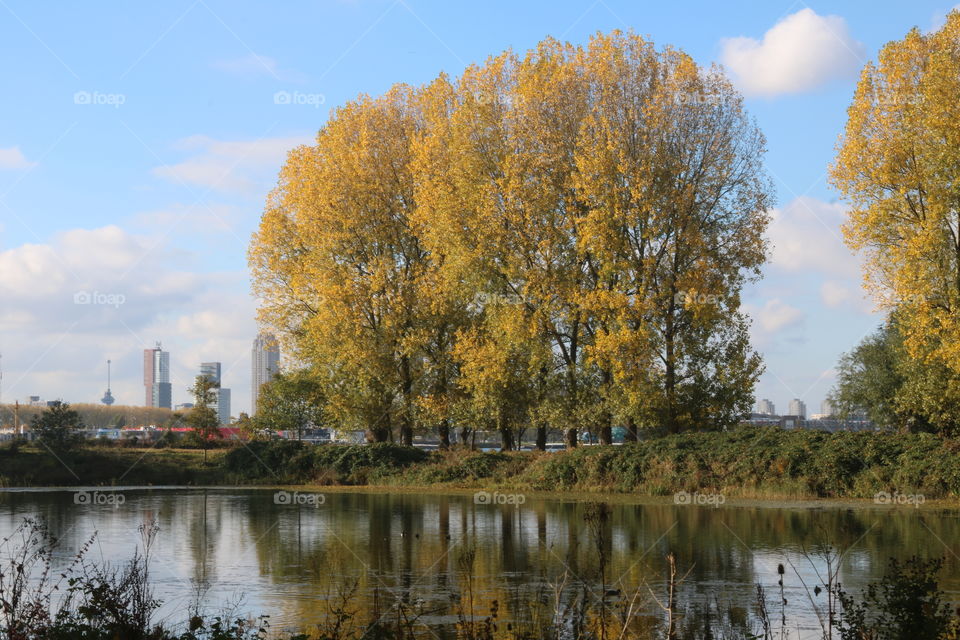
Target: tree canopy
<point>553,239</point>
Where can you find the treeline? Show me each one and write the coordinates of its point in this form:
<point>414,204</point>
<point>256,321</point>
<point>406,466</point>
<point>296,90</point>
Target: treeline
<point>554,239</point>
<point>95,416</point>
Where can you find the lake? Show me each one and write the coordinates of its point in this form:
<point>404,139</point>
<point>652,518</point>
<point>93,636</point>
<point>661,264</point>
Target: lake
<point>289,555</point>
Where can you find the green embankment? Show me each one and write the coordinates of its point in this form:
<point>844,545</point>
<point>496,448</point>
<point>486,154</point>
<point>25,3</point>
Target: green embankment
<point>748,463</point>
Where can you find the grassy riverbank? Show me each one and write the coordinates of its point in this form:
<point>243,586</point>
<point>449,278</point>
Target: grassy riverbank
<point>748,463</point>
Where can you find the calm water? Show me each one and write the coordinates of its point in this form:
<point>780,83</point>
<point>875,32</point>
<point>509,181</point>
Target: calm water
<point>288,560</point>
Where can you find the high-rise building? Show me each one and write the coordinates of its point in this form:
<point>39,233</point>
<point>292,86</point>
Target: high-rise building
<point>221,396</point>
<point>826,407</point>
<point>222,405</point>
<point>765,407</point>
<point>266,364</point>
<point>798,408</point>
<point>211,370</point>
<point>156,378</point>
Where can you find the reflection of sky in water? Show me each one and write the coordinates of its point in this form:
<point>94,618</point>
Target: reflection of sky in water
<point>287,561</point>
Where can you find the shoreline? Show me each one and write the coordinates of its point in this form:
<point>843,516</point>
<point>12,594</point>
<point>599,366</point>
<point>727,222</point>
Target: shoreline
<point>742,467</point>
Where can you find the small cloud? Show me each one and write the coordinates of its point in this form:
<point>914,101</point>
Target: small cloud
<point>229,165</point>
<point>834,294</point>
<point>254,65</point>
<point>202,217</point>
<point>776,315</point>
<point>800,53</point>
<point>13,158</point>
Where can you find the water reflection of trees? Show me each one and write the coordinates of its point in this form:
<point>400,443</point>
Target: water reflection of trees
<point>405,547</point>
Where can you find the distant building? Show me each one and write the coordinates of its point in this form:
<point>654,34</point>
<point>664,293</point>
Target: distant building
<point>791,422</point>
<point>35,401</point>
<point>797,408</point>
<point>266,364</point>
<point>156,378</point>
<point>211,370</point>
<point>222,405</point>
<point>826,407</point>
<point>765,407</point>
<point>221,396</point>
<point>183,406</point>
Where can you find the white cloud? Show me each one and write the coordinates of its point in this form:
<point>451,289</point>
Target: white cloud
<point>805,237</point>
<point>801,52</point>
<point>776,315</point>
<point>131,293</point>
<point>13,158</point>
<point>257,65</point>
<point>834,294</point>
<point>203,217</point>
<point>230,165</point>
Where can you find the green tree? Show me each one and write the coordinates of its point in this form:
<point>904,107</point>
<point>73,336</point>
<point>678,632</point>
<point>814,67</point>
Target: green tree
<point>896,390</point>
<point>202,417</point>
<point>58,426</point>
<point>291,402</point>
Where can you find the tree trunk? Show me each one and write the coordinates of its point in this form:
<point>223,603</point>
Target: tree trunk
<point>444,432</point>
<point>406,422</point>
<point>380,430</point>
<point>606,427</point>
<point>606,434</point>
<point>571,438</point>
<point>670,373</point>
<point>506,433</point>
<point>541,437</point>
<point>631,435</point>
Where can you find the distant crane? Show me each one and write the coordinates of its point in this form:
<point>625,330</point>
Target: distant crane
<point>107,398</point>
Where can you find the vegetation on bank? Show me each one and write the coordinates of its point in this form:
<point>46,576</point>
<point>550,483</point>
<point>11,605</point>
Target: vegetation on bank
<point>747,462</point>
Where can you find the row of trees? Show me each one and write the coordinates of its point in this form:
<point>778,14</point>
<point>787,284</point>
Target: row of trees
<point>899,167</point>
<point>95,416</point>
<point>558,238</point>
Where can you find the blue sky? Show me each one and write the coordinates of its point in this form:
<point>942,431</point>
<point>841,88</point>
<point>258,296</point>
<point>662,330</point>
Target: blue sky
<point>139,142</point>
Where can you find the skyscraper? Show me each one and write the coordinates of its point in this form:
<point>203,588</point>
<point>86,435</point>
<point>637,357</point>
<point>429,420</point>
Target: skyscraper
<point>826,407</point>
<point>211,370</point>
<point>221,396</point>
<point>222,405</point>
<point>766,407</point>
<point>798,408</point>
<point>266,361</point>
<point>156,378</point>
